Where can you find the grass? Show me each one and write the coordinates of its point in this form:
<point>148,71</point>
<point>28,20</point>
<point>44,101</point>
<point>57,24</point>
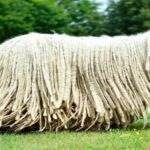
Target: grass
<point>135,138</point>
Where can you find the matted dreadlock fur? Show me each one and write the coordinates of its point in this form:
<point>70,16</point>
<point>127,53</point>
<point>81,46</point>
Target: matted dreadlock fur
<point>55,82</point>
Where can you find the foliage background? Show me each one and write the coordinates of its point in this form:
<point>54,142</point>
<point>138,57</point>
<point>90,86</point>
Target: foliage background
<point>74,17</point>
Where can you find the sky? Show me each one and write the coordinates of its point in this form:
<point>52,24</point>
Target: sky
<point>104,4</point>
<point>102,1</point>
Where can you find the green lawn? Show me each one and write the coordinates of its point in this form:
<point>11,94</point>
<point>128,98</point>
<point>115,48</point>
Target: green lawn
<point>134,138</point>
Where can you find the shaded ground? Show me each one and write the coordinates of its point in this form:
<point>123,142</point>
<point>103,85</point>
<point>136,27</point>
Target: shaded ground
<point>134,138</point>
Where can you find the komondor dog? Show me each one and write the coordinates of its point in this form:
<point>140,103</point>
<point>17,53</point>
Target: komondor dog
<point>55,82</point>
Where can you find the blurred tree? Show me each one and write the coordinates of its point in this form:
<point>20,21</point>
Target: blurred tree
<point>49,16</point>
<point>19,17</point>
<point>127,16</point>
<point>78,17</point>
<point>15,18</point>
<point>85,17</point>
